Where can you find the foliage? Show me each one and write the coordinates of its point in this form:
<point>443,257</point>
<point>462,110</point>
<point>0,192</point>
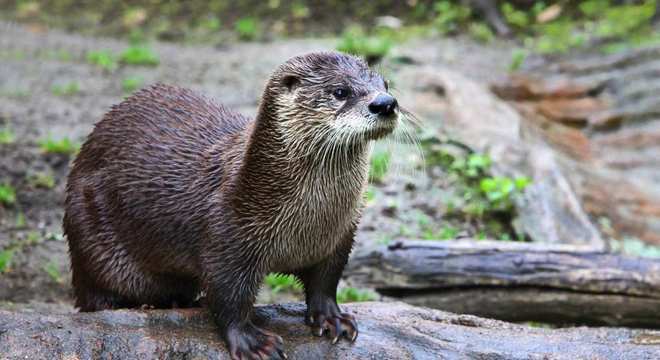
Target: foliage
<point>514,17</point>
<point>481,199</point>
<point>67,89</point>
<point>280,282</point>
<point>450,16</point>
<point>131,83</point>
<point>139,54</point>
<point>7,194</point>
<point>350,294</point>
<point>7,136</point>
<point>5,259</point>
<point>636,247</point>
<point>52,269</point>
<point>517,59</point>
<point>247,28</point>
<point>42,180</point>
<point>481,32</point>
<point>62,146</point>
<point>373,48</point>
<point>378,166</point>
<point>102,59</point>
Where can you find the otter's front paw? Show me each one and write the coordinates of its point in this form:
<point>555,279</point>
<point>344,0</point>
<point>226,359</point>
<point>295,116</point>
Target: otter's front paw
<point>325,316</point>
<point>250,342</point>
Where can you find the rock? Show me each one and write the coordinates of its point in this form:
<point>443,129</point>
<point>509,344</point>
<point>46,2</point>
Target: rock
<point>387,331</point>
<point>610,149</point>
<point>551,211</point>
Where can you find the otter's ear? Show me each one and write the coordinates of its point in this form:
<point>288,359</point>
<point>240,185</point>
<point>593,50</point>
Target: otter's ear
<point>291,82</point>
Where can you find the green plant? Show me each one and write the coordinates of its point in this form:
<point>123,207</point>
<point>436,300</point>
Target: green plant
<point>515,17</point>
<point>355,41</point>
<point>280,282</point>
<point>370,194</point>
<point>5,259</point>
<point>42,180</point>
<point>7,194</point>
<point>53,270</point>
<point>517,59</point>
<point>247,28</point>
<point>448,232</point>
<point>450,16</point>
<point>558,37</point>
<point>636,247</point>
<point>350,294</point>
<point>139,54</point>
<point>481,32</point>
<point>67,89</point>
<point>103,59</point>
<point>62,146</point>
<point>7,136</point>
<point>20,222</point>
<point>484,201</point>
<point>378,166</point>
<point>131,83</point>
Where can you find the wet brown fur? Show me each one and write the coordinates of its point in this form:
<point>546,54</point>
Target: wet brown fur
<point>173,194</point>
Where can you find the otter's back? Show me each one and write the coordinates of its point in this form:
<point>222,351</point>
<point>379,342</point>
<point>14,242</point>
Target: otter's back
<point>140,170</point>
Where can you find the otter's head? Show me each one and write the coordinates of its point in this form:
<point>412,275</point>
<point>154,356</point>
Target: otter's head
<point>332,96</point>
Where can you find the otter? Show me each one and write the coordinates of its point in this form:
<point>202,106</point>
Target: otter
<point>173,195</point>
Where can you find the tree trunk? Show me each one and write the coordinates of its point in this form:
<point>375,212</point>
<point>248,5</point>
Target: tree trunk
<point>515,281</point>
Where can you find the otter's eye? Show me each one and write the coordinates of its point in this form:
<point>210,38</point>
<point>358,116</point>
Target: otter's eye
<point>341,93</point>
<point>387,85</point>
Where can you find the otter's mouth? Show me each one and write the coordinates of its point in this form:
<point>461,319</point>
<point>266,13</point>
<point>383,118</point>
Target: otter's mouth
<point>383,126</point>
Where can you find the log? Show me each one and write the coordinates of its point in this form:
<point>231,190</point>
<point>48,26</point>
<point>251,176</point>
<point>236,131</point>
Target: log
<point>388,331</point>
<point>558,284</point>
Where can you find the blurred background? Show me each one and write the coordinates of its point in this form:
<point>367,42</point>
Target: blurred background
<point>540,119</point>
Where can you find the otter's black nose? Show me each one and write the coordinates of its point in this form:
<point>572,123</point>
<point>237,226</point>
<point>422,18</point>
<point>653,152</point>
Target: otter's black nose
<point>383,104</point>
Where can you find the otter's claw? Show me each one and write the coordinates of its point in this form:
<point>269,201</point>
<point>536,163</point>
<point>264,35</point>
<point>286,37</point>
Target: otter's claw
<point>250,342</point>
<point>336,325</point>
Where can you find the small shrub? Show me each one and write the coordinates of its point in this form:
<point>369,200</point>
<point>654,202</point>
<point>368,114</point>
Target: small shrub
<point>131,83</point>
<point>7,136</point>
<point>62,146</point>
<point>517,59</point>
<point>247,28</point>
<point>349,294</point>
<point>20,222</point>
<point>378,166</point>
<point>372,48</point>
<point>103,59</point>
<point>5,259</point>
<point>139,55</point>
<point>7,195</point>
<point>515,17</point>
<point>68,89</point>
<point>42,180</point>
<point>448,233</point>
<point>450,16</point>
<point>481,32</point>
<point>53,271</point>
<point>280,282</point>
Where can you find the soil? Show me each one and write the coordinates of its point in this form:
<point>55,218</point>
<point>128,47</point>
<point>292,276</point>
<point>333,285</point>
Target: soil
<point>34,62</point>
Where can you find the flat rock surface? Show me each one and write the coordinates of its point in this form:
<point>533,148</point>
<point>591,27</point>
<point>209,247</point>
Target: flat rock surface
<point>387,331</point>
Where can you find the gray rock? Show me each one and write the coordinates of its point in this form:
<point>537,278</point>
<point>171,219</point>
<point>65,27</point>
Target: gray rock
<point>388,331</point>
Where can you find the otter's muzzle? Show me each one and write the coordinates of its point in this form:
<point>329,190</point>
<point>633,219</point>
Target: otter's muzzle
<point>383,104</point>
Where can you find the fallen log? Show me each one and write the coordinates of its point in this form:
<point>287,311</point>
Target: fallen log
<point>388,331</point>
<point>558,284</point>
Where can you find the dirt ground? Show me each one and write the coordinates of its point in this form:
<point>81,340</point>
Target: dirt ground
<point>32,63</point>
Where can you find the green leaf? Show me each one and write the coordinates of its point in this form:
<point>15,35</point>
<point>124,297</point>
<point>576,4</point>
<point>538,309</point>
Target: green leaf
<point>5,259</point>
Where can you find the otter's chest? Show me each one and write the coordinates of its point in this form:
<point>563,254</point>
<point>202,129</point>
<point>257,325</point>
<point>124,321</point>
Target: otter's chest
<point>315,220</point>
